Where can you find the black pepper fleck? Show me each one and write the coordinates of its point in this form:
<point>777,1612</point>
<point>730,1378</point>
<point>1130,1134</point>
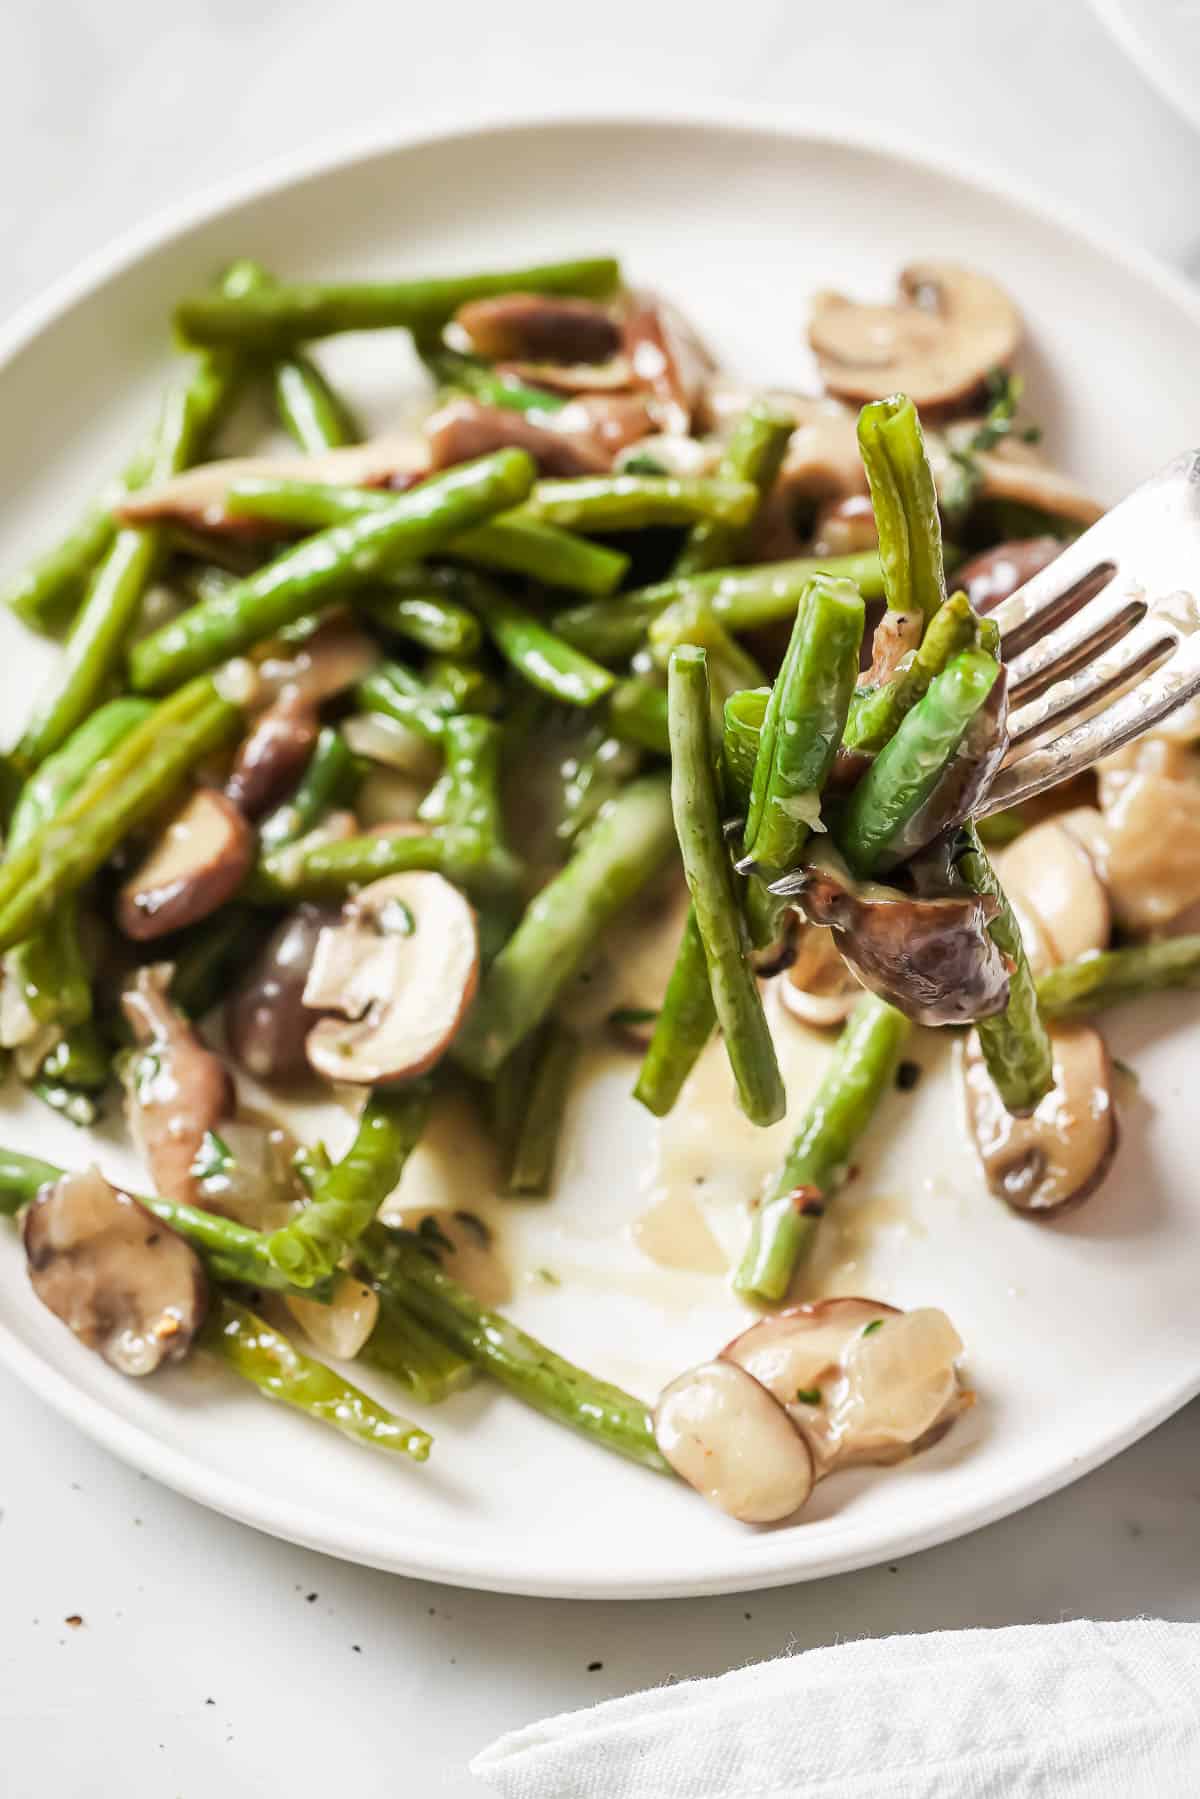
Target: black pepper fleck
<point>311,1598</point>
<point>907,1076</point>
<point>594,1667</point>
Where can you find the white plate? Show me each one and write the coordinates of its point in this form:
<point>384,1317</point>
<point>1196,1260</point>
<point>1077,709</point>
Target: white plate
<point>1080,1337</point>
<point>1163,38</point>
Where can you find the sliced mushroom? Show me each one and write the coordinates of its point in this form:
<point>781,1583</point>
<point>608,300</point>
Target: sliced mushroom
<point>197,497</point>
<point>246,1171</point>
<point>334,657</point>
<point>128,1287</point>
<point>341,1327</point>
<point>464,429</point>
<point>667,358</point>
<point>1048,875</point>
<point>176,1091</point>
<point>266,1020</point>
<point>604,380</point>
<point>995,575</point>
<point>198,861</point>
<point>946,332</point>
<point>1052,1160</point>
<point>1145,841</point>
<point>727,1437</point>
<point>539,328</point>
<point>822,467</point>
<point>465,1246</point>
<point>1016,472</point>
<point>844,527</point>
<point>861,1380</point>
<point>608,422</point>
<point>932,958</point>
<point>895,636</point>
<point>402,966</point>
<point>818,988</point>
<point>273,755</point>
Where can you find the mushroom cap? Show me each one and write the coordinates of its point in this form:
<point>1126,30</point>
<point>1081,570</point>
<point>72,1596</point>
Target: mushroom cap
<point>126,1284</point>
<point>1049,876</point>
<point>266,1020</point>
<point>818,987</point>
<point>198,861</point>
<point>855,1396</point>
<point>994,575</point>
<point>463,429</point>
<point>667,359</point>
<point>726,1436</point>
<point>946,332</point>
<point>539,328</point>
<point>1058,1156</point>
<point>1146,839</point>
<point>273,755</point>
<point>402,965</point>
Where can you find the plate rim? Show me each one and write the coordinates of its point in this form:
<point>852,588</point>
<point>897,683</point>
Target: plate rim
<point>282,1517</point>
<point>1148,60</point>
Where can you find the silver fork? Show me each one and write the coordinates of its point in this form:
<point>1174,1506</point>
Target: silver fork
<point>1111,628</point>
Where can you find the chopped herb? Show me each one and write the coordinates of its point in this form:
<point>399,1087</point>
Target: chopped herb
<point>213,1157</point>
<point>432,1235</point>
<point>395,919</point>
<point>642,464</point>
<point>876,1324</point>
<point>1004,396</point>
<point>808,1396</point>
<point>630,1015</point>
<point>548,1275</point>
<point>1127,1069</point>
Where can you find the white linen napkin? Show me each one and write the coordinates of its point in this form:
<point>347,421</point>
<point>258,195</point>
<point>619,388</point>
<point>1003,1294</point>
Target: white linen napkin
<point>1058,1711</point>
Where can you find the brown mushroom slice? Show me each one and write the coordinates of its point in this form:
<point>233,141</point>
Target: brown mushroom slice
<point>667,358</point>
<point>464,429</point>
<point>947,331</point>
<point>930,957</point>
<point>177,1092</point>
<point>402,966</point>
<point>539,328</point>
<point>198,861</point>
<point>603,379</point>
<point>611,422</point>
<point>246,1171</point>
<point>273,755</point>
<point>818,988</point>
<point>336,656</point>
<point>465,1246</point>
<point>726,1436</point>
<point>844,527</point>
<point>1047,873</point>
<point>673,455</point>
<point>1017,473</point>
<point>196,497</point>
<point>129,1287</point>
<point>822,467</point>
<point>266,1020</point>
<point>895,636</point>
<point>995,575</point>
<point>1146,839</point>
<point>1052,1160</point>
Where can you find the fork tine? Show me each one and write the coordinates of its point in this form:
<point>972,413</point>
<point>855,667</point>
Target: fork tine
<point>1090,632</point>
<point>1134,654</point>
<point>1146,706</point>
<point>1053,596</point>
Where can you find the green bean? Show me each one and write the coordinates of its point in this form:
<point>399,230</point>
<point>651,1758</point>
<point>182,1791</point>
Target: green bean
<point>483,382</point>
<point>743,721</point>
<point>600,503</point>
<point>317,417</point>
<point>137,780</point>
<point>466,685</point>
<point>518,1361</point>
<point>399,693</point>
<point>615,858</point>
<point>404,1349</point>
<point>476,854</point>
<point>876,713</point>
<point>21,1177</point>
<point>905,504</point>
<point>741,599</point>
<point>686,1021</point>
<point>908,768</point>
<point>82,1060</point>
<point>540,1106</point>
<point>637,714</point>
<point>1110,977</point>
<point>330,780</point>
<point>434,620</point>
<point>345,1200</point>
<point>860,1072</point>
<point>696,808</point>
<point>535,653</point>
<point>692,620</point>
<point>335,561</point>
<point>212,955</point>
<point>1015,1043</point>
<point>272,320</point>
<point>754,453</point>
<point>514,543</point>
<point>271,1362</point>
<point>315,871</point>
<point>803,725</point>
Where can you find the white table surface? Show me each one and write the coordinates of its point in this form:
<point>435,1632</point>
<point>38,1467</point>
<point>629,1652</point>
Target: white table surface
<point>209,1658</point>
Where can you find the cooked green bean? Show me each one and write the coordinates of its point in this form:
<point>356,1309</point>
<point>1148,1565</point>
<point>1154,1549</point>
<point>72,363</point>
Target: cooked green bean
<point>537,655</point>
<point>536,1374</point>
<point>483,382</point>
<point>476,854</point>
<point>514,543</point>
<point>692,620</point>
<point>346,1199</point>
<point>859,1074</point>
<point>404,1349</point>
<point>399,693</point>
<point>271,1362</point>
<point>755,452</point>
<point>637,714</point>
<point>330,780</point>
<point>1111,977</point>
<point>1015,1044</point>
<point>329,565</point>
<point>602,503</point>
<point>211,956</point>
<point>686,1021</point>
<point>743,722</point>
<point>273,320</point>
<point>908,768</point>
<point>316,416</point>
<point>722,929</point>
<point>616,856</point>
<point>876,713</point>
<point>741,599</point>
<point>429,613</point>
<point>466,685</point>
<point>542,1102</point>
<point>905,504</point>
<point>322,870</point>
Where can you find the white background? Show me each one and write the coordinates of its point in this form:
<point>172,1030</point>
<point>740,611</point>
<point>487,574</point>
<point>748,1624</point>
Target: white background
<point>319,1673</point>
